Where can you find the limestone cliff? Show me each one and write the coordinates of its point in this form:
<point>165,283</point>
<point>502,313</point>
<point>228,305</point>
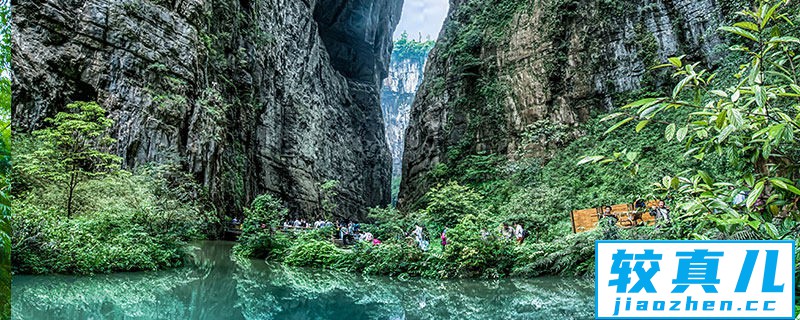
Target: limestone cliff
<point>249,96</point>
<point>514,77</point>
<point>399,88</point>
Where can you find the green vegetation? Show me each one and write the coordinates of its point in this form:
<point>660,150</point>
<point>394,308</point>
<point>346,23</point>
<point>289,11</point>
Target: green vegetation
<point>481,190</point>
<point>753,123</point>
<point>78,212</point>
<point>476,249</point>
<point>750,116</point>
<point>74,148</point>
<point>258,238</point>
<point>329,191</point>
<point>124,222</point>
<point>5,160</point>
<point>405,48</point>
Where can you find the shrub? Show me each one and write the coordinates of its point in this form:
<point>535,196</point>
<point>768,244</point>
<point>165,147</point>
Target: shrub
<point>388,223</point>
<point>448,203</point>
<point>262,241</point>
<point>393,258</point>
<point>572,255</point>
<point>266,209</point>
<point>315,253</point>
<point>470,254</point>
<point>540,209</point>
<point>100,243</point>
<point>262,245</point>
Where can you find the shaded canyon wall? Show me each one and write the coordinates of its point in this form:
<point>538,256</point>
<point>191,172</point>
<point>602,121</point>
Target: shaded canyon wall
<point>247,96</point>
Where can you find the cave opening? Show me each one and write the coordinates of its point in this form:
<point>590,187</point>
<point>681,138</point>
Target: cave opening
<point>416,33</point>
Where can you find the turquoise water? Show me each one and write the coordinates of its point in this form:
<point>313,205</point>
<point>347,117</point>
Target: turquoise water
<point>217,287</point>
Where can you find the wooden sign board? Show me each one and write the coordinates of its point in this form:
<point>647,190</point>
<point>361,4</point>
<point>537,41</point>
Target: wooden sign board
<point>587,219</point>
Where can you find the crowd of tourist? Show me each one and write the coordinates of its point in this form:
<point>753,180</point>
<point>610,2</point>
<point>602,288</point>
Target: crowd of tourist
<point>349,232</point>
<point>660,212</point>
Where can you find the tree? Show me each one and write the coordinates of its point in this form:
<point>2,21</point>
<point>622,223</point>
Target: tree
<point>256,241</point>
<point>448,203</point>
<point>751,117</point>
<point>266,209</point>
<point>76,145</point>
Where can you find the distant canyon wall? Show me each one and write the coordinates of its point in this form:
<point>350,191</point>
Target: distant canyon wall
<point>399,88</point>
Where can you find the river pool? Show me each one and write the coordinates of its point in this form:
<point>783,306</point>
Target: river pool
<point>217,287</point>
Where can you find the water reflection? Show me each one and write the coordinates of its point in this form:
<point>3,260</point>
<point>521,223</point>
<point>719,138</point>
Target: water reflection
<point>217,287</point>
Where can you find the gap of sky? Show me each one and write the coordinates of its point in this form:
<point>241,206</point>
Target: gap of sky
<point>422,18</point>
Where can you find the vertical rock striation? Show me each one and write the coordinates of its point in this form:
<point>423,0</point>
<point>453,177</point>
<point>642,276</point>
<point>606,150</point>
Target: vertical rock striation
<point>248,96</point>
<point>505,71</point>
<point>399,89</point>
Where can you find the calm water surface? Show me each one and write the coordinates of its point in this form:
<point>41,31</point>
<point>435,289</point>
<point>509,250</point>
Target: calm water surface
<point>219,288</point>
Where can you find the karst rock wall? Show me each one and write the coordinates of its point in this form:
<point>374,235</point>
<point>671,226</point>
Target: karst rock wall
<point>247,96</point>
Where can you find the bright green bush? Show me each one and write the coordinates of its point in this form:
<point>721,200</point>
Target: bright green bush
<point>388,223</point>
<point>266,209</point>
<point>393,258</point>
<point>540,209</point>
<point>315,253</point>
<point>470,254</point>
<point>258,238</point>
<point>571,255</point>
<point>448,203</point>
<point>100,243</point>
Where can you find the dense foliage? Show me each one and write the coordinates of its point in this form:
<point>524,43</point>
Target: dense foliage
<point>475,247</point>
<point>750,116</point>
<point>5,160</point>
<point>76,146</point>
<point>127,222</point>
<point>405,48</point>
<point>258,238</point>
<point>78,212</point>
<point>753,122</point>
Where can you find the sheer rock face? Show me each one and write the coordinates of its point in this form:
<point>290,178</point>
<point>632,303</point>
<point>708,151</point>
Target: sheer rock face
<point>554,63</point>
<point>248,96</point>
<point>399,88</point>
